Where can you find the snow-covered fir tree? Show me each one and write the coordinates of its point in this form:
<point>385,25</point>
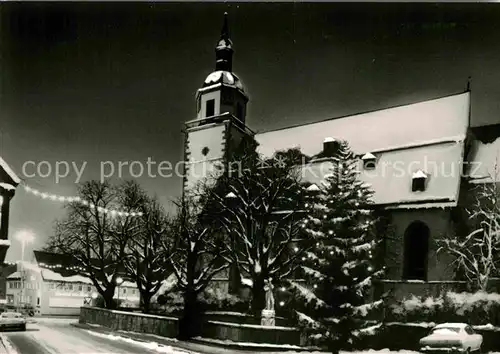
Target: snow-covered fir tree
<point>339,268</point>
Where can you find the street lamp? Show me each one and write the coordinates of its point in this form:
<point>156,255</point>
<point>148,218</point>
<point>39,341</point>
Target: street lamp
<point>119,281</point>
<point>94,296</point>
<point>24,237</point>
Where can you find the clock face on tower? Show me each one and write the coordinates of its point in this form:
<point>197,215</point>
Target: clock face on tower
<point>205,151</point>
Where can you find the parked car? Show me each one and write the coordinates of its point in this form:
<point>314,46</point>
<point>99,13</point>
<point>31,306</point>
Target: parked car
<point>12,320</point>
<point>452,337</point>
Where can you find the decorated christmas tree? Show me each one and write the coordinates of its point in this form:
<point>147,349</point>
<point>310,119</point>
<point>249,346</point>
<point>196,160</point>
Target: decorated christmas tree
<point>339,268</point>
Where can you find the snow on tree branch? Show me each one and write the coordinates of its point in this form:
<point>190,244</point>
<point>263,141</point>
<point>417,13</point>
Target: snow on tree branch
<point>476,254</point>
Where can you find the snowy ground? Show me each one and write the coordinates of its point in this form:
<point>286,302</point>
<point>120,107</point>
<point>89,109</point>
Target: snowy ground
<point>58,336</point>
<point>62,338</point>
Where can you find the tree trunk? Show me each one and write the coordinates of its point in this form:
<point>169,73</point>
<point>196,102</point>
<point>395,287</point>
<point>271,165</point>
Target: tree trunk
<point>146,301</point>
<point>190,323</point>
<point>108,295</point>
<point>258,296</point>
<point>234,279</point>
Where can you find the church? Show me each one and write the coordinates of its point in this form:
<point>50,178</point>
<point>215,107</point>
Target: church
<point>418,158</point>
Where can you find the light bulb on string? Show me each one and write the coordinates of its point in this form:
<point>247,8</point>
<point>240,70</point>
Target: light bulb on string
<point>66,199</point>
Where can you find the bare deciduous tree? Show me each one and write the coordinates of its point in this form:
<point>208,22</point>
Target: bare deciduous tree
<point>259,204</point>
<point>476,255</point>
<point>150,242</point>
<point>95,239</point>
<point>198,256</point>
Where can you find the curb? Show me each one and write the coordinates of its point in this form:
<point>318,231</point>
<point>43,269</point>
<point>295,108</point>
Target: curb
<point>250,348</point>
<point>185,345</point>
<point>5,346</point>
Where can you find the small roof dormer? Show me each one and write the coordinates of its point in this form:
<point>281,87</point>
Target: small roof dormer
<point>419,181</point>
<point>369,161</point>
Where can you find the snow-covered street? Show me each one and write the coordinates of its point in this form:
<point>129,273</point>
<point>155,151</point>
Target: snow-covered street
<point>59,337</point>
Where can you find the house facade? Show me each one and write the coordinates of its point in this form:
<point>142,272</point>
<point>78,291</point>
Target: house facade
<point>418,158</point>
<point>8,184</point>
<point>56,288</point>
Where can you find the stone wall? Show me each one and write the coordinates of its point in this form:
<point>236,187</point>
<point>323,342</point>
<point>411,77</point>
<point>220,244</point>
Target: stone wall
<point>439,222</point>
<point>401,289</point>
<point>168,327</point>
<point>130,321</point>
<point>245,333</point>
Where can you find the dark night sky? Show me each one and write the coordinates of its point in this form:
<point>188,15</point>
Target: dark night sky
<point>96,82</point>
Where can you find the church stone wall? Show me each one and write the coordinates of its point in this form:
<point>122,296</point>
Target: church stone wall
<point>438,221</point>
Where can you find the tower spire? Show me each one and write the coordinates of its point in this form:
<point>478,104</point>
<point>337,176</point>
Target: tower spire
<point>224,49</point>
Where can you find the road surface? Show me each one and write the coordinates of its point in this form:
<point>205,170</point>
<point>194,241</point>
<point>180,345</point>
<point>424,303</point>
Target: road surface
<point>59,337</point>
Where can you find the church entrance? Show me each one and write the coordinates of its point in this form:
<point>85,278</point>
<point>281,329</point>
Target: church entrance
<point>416,244</point>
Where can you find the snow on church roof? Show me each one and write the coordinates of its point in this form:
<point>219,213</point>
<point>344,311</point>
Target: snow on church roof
<point>224,77</point>
<point>419,174</point>
<point>422,136</point>
<point>377,130</point>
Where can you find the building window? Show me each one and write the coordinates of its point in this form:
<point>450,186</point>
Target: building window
<point>80,288</point>
<point>239,111</point>
<point>28,298</point>
<point>89,288</point>
<point>419,181</point>
<point>369,161</point>
<point>38,301</point>
<point>210,108</point>
<point>10,285</point>
<point>416,249</point>
<point>124,291</point>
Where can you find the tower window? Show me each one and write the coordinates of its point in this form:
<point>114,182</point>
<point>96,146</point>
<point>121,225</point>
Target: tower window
<point>239,111</point>
<point>210,108</point>
<point>419,181</point>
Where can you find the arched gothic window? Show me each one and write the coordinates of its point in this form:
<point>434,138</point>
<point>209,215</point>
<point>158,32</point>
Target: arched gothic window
<point>416,249</point>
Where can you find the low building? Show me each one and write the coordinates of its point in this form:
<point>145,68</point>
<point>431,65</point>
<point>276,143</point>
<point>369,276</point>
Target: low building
<point>55,288</point>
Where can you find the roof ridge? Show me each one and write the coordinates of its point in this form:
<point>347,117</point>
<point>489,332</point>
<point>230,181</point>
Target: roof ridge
<point>363,112</point>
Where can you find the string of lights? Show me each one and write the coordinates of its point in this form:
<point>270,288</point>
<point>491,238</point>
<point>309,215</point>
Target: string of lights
<point>66,199</point>
<point>49,266</point>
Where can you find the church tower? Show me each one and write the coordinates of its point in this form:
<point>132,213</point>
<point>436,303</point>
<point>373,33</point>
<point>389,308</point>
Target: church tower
<point>220,119</point>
